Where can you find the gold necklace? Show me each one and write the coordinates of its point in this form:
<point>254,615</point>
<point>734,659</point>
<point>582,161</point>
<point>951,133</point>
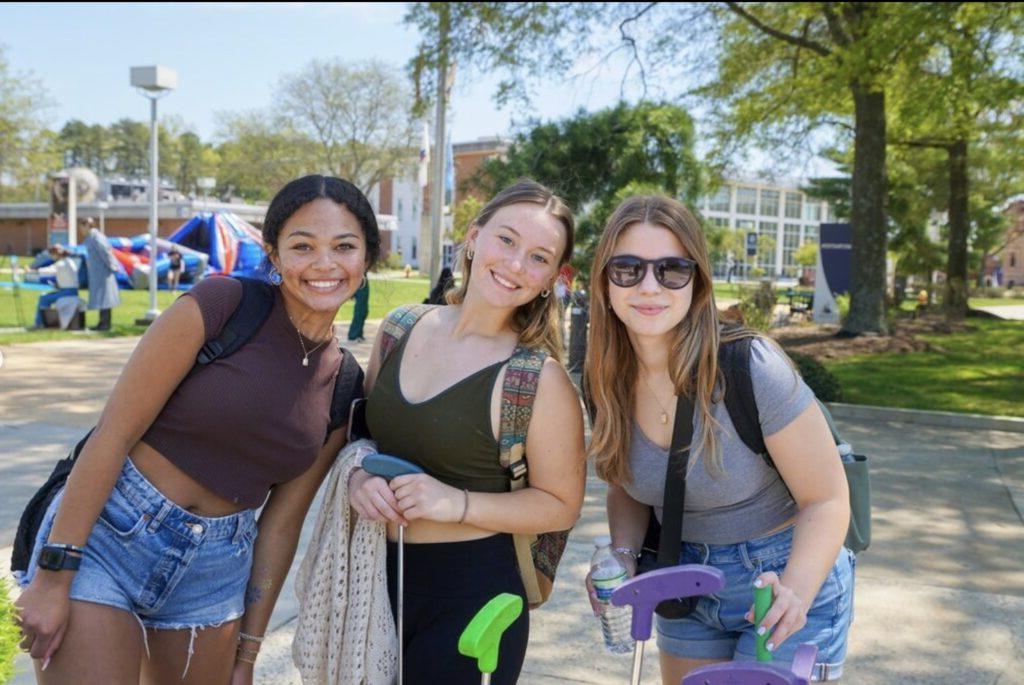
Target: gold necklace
<point>302,343</point>
<point>664,412</point>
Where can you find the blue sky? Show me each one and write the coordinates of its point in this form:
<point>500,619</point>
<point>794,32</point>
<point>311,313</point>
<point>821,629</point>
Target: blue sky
<point>229,56</point>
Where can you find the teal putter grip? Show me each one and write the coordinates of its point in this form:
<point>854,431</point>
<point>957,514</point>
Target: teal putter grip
<point>762,603</point>
<point>388,467</point>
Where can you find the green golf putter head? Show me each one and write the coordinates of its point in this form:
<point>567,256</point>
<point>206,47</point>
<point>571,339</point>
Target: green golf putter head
<point>762,603</point>
<point>481,638</point>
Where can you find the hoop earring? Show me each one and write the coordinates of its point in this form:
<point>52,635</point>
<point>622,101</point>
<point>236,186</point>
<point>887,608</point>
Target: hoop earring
<point>469,255</point>
<point>544,293</point>
<point>365,282</point>
<point>274,276</point>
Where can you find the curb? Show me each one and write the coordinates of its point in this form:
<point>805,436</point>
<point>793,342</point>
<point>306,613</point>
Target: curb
<point>948,419</point>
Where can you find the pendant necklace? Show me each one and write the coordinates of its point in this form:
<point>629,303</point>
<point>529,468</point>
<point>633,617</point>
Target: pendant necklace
<point>302,343</point>
<point>664,412</point>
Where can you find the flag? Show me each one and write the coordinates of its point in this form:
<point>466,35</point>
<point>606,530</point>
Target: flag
<point>424,156</point>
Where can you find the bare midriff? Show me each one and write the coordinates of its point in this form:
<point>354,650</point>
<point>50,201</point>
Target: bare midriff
<point>179,487</point>
<point>438,531</point>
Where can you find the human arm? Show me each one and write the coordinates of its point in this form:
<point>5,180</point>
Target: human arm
<point>554,448</point>
<point>804,453</point>
<point>159,362</point>
<point>279,526</point>
<point>627,522</point>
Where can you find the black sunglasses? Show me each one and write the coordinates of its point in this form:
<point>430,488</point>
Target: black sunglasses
<point>673,273</point>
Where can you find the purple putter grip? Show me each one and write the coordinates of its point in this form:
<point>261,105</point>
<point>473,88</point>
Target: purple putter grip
<point>644,592</point>
<point>750,673</point>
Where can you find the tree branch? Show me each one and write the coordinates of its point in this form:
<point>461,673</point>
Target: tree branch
<point>631,42</point>
<point>775,33</point>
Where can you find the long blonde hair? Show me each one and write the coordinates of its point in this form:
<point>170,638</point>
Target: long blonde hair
<point>539,321</point>
<point>611,366</point>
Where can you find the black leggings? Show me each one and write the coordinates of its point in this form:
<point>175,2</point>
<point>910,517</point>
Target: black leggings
<point>446,583</point>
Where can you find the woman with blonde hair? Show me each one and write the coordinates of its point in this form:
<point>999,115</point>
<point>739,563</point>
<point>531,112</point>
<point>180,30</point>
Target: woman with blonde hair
<point>435,399</point>
<point>654,343</point>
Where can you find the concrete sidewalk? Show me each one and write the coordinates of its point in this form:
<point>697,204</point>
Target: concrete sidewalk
<point>940,594</point>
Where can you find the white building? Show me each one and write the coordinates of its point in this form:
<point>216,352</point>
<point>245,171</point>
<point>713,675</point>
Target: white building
<point>780,211</point>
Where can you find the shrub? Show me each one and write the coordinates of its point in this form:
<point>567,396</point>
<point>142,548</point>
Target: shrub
<point>393,261</point>
<point>824,384</point>
<point>758,306</point>
<point>9,634</point>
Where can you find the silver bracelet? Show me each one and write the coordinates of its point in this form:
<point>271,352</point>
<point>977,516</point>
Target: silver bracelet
<point>251,638</point>
<point>627,551</point>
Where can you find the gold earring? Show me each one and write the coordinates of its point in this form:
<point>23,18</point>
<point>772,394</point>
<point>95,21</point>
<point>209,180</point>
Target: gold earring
<point>544,293</point>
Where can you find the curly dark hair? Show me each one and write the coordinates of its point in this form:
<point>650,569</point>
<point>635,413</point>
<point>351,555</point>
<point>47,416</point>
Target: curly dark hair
<point>300,192</point>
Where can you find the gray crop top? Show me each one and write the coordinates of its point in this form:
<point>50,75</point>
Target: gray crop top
<point>749,498</point>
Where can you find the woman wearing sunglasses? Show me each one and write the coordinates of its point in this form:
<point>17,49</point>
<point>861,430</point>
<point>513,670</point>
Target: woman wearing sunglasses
<point>655,335</point>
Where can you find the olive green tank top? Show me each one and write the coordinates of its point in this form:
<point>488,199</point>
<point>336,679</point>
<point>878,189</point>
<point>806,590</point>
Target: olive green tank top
<point>449,435</point>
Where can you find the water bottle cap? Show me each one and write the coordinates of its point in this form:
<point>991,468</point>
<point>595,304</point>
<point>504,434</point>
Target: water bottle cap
<point>844,449</point>
<point>602,540</point>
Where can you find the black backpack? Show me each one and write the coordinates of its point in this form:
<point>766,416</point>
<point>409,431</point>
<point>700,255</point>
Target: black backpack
<point>249,316</point>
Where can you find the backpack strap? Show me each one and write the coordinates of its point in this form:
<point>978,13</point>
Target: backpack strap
<point>249,316</point>
<point>517,396</point>
<point>348,386</point>
<point>397,324</point>
<point>734,360</point>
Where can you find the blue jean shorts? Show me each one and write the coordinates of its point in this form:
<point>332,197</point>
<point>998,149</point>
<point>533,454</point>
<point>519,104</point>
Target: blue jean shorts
<point>717,629</point>
<point>168,567</point>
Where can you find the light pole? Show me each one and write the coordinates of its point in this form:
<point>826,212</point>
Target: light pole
<point>103,205</point>
<point>153,82</point>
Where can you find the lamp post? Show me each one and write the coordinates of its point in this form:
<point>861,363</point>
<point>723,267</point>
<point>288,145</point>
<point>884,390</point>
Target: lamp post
<point>103,206</point>
<point>153,82</point>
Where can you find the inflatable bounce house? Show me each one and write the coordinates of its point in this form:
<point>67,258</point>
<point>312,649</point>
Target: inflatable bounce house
<point>209,243</point>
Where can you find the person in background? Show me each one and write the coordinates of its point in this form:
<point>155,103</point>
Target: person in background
<point>445,282</point>
<point>102,268</point>
<point>175,265</point>
<point>66,266</point>
<point>360,312</point>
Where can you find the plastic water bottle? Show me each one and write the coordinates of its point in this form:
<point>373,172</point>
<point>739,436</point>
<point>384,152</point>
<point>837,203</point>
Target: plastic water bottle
<point>607,573</point>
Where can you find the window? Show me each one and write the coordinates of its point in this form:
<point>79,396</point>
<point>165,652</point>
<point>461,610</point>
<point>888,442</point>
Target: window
<point>414,248</point>
<point>1013,259</point>
<point>767,239</point>
<point>769,203</point>
<point>793,205</point>
<point>746,200</point>
<point>719,221</point>
<point>812,211</point>
<point>720,200</point>
<point>790,243</point>
<point>810,234</point>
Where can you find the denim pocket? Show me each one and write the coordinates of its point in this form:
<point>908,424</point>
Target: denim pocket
<point>120,518</point>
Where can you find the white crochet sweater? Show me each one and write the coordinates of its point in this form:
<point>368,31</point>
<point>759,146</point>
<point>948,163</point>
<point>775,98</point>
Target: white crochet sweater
<point>345,634</point>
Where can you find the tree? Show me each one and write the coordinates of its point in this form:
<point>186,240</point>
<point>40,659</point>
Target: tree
<point>85,145</point>
<point>465,211</point>
<point>358,115</point>
<point>129,147</point>
<point>26,154</point>
<point>787,69</point>
<point>963,86</point>
<point>591,157</point>
<point>259,154</point>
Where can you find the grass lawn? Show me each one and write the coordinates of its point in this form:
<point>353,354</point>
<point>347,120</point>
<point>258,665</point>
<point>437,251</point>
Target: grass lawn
<point>978,372</point>
<point>996,302</point>
<point>385,294</point>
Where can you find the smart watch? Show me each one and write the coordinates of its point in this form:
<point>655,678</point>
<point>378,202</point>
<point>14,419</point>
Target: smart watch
<point>59,557</point>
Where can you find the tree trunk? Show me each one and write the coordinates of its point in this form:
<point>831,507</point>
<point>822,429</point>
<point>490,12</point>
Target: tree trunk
<point>959,228</point>
<point>867,274</point>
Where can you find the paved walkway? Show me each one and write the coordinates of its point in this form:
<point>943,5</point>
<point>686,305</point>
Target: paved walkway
<point>940,594</point>
<point>1014,311</point>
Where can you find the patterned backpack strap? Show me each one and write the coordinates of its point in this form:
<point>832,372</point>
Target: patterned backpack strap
<point>517,396</point>
<point>397,324</point>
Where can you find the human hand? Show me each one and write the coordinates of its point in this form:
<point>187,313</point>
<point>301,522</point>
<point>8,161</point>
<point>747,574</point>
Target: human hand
<point>42,614</point>
<point>241,674</point>
<point>787,615</point>
<point>424,497</point>
<point>628,561</point>
<point>371,497</point>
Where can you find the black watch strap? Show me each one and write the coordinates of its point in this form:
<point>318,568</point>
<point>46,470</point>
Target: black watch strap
<point>60,557</point>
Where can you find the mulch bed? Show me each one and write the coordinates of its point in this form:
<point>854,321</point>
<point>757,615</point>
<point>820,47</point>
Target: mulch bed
<point>819,341</point>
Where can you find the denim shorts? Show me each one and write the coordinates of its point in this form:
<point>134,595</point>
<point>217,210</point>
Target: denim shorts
<point>717,629</point>
<point>168,567</point>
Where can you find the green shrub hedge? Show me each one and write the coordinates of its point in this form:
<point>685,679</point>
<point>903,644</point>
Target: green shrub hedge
<point>824,384</point>
<point>9,633</point>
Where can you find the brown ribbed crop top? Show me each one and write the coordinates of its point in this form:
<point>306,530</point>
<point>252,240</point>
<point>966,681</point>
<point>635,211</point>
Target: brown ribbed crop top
<point>254,419</point>
<point>449,435</point>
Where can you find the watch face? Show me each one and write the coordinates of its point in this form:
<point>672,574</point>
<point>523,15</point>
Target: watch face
<point>51,559</point>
